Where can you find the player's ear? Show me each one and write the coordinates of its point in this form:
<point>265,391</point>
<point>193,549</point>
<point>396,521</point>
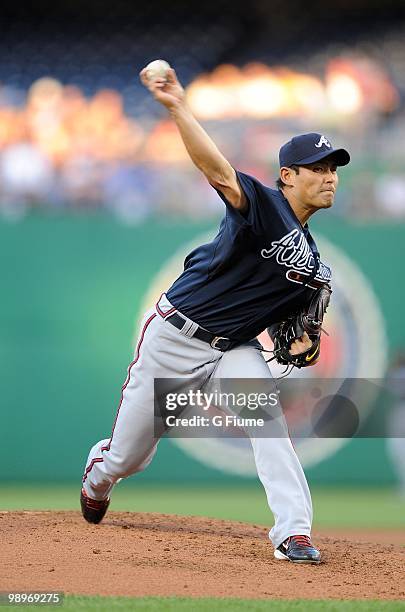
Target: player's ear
<point>288,175</point>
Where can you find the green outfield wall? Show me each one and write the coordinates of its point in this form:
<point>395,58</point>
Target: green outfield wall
<point>72,288</point>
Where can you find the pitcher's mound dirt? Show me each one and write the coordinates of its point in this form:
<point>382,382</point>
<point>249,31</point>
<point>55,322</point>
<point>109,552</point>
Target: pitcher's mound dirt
<point>156,554</point>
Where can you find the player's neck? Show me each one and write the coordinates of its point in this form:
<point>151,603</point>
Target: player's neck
<point>301,210</point>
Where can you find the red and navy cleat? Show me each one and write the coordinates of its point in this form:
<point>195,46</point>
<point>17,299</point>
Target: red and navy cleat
<point>298,549</point>
<point>93,510</point>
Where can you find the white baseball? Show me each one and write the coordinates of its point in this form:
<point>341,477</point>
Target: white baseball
<point>157,69</point>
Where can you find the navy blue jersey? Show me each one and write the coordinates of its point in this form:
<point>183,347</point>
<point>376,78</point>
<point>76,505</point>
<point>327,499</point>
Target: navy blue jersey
<point>254,271</point>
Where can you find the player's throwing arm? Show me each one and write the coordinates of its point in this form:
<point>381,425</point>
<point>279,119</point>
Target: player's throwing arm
<point>166,89</point>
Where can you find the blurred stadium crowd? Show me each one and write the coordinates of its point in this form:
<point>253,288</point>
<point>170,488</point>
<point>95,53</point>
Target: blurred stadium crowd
<point>79,132</point>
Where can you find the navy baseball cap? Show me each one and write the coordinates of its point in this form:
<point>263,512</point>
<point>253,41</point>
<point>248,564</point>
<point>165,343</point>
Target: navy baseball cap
<point>309,148</point>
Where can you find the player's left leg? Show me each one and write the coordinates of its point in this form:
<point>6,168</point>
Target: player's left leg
<point>277,464</point>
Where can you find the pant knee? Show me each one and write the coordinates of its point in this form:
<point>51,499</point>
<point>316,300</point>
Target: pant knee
<point>147,461</point>
<point>120,466</point>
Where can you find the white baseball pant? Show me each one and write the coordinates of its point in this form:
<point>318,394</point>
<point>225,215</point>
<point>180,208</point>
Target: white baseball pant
<point>163,351</point>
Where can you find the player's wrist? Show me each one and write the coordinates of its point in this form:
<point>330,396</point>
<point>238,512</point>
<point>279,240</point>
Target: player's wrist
<point>179,110</point>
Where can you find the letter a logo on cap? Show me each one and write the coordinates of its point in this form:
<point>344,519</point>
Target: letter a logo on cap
<point>322,141</point>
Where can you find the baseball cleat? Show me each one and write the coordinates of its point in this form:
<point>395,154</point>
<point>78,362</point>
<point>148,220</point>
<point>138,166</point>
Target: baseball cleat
<point>298,549</point>
<point>93,510</point>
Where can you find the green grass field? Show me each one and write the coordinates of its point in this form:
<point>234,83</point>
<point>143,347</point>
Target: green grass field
<point>175,604</point>
<point>340,508</point>
<point>366,508</point>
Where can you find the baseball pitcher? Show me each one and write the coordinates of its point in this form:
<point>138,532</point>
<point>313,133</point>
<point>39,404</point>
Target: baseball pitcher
<point>261,271</point>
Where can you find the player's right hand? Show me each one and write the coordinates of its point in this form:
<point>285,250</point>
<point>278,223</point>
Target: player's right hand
<point>168,92</point>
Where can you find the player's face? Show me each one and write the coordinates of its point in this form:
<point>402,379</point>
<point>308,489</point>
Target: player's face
<point>315,184</point>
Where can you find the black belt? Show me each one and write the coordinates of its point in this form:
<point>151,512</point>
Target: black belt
<point>217,342</point>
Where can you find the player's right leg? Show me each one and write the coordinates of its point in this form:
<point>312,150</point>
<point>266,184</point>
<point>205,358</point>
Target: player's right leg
<point>161,352</point>
<point>132,442</point>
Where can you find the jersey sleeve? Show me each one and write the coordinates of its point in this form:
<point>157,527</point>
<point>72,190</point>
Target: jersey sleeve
<point>257,199</point>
